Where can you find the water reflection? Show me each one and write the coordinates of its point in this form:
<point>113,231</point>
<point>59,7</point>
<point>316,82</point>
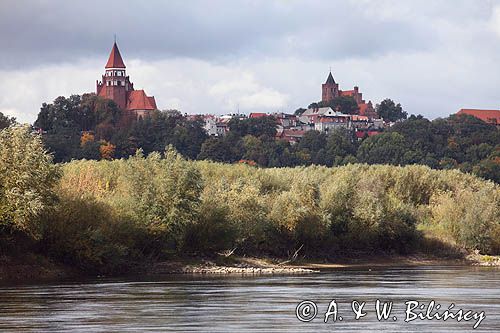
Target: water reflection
<point>235,304</point>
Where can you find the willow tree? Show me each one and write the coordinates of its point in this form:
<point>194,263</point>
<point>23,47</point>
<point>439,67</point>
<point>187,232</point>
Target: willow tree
<point>27,177</point>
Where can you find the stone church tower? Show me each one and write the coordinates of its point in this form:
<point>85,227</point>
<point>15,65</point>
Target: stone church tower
<point>330,89</point>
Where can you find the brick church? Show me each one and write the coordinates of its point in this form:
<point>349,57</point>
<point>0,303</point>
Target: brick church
<point>330,91</point>
<point>116,85</point>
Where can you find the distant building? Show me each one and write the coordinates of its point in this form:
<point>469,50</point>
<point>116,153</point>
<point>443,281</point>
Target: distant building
<point>312,115</point>
<point>257,115</point>
<point>285,120</point>
<point>116,85</point>
<point>360,122</point>
<point>290,135</point>
<point>330,90</point>
<point>215,126</point>
<point>488,116</point>
<point>333,120</point>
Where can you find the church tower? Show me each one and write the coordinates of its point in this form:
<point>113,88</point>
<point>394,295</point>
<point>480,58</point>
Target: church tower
<point>115,83</point>
<point>330,89</point>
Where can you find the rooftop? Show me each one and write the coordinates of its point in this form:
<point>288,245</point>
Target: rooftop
<point>115,59</point>
<point>488,116</point>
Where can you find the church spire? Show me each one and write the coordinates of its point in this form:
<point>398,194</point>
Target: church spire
<point>115,59</point>
<point>330,79</point>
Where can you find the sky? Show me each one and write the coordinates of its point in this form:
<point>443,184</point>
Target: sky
<point>221,56</point>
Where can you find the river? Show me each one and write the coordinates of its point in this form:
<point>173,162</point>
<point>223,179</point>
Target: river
<point>184,303</point>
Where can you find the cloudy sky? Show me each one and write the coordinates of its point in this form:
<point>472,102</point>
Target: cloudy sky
<point>217,56</point>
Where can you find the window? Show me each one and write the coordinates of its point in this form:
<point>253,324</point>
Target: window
<point>119,83</point>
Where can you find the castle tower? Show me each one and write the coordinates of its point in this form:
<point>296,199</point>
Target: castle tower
<point>330,89</point>
<point>115,83</point>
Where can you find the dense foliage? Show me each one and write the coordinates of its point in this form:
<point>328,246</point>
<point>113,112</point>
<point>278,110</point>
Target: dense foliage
<point>92,128</point>
<point>6,121</point>
<point>113,214</point>
<point>108,216</point>
<point>343,104</point>
<point>27,177</point>
<point>390,111</point>
<point>183,207</point>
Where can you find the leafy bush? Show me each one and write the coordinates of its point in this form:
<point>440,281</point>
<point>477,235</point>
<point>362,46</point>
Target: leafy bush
<point>85,233</point>
<point>27,178</point>
<point>471,217</point>
<point>156,205</point>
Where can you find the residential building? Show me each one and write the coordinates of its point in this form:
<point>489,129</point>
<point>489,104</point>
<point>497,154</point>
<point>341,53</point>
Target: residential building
<point>285,120</point>
<point>291,135</point>
<point>333,120</point>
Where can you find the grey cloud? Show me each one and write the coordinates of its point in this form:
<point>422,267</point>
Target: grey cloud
<point>36,33</point>
<point>433,57</point>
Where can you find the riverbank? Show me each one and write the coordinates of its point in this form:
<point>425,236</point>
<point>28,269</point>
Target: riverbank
<point>476,259</point>
<point>38,268</point>
<point>266,266</point>
<point>32,267</point>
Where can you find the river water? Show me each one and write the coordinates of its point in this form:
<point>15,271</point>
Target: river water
<point>183,303</point>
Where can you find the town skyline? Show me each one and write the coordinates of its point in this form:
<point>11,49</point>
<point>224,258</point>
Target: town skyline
<point>433,73</point>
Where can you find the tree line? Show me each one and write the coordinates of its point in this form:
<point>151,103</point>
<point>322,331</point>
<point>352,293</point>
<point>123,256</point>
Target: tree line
<point>88,127</point>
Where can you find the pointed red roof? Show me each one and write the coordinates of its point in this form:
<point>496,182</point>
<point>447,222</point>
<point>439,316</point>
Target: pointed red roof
<point>115,59</point>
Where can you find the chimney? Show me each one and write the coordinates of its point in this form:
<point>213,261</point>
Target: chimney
<point>356,88</point>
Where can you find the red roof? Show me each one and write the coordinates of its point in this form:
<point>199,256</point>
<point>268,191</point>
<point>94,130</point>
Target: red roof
<point>355,117</point>
<point>362,108</point>
<point>257,115</point>
<point>115,59</point>
<point>336,119</point>
<point>347,93</point>
<point>137,100</point>
<point>488,116</point>
<point>152,101</point>
<point>290,135</point>
<point>361,134</point>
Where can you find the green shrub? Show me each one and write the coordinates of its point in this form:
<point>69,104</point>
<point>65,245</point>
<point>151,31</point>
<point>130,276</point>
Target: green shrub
<point>472,218</point>
<point>27,179</point>
<point>88,234</point>
<point>206,207</point>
